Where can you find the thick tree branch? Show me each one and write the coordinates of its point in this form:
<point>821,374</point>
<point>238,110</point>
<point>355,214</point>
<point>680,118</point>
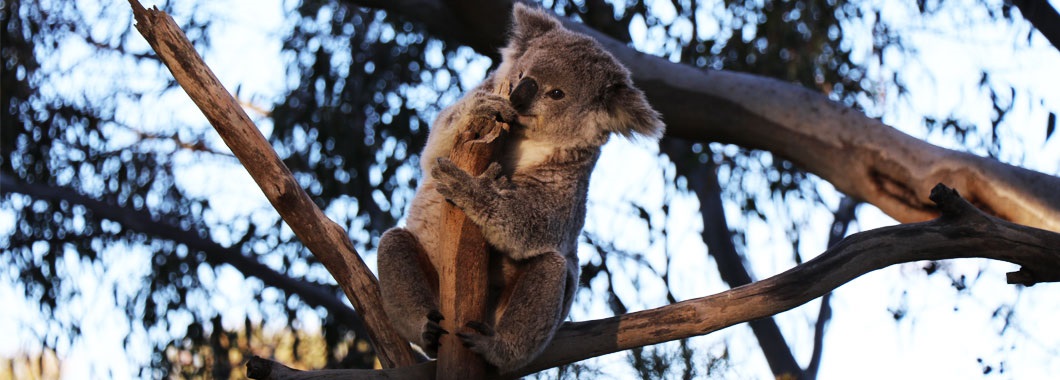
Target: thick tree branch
<point>463,275</point>
<point>859,155</point>
<point>216,255</point>
<point>264,369</point>
<point>961,231</point>
<point>326,239</point>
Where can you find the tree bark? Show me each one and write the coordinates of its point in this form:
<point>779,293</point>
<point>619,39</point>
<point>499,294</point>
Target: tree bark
<point>859,155</point>
<point>326,239</point>
<point>464,274</point>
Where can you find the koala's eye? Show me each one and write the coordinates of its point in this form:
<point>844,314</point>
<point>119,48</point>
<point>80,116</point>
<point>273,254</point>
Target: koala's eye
<point>556,94</point>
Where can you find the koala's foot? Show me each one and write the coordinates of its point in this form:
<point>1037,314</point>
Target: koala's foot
<point>432,332</point>
<point>485,342</point>
<point>479,341</point>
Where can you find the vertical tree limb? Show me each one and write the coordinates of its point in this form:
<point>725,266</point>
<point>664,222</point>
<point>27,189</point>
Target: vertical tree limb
<point>463,273</point>
<point>326,239</point>
<point>844,214</point>
<point>703,180</point>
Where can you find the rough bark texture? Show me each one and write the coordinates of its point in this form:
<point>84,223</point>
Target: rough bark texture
<point>326,239</point>
<point>463,276</point>
<point>859,155</point>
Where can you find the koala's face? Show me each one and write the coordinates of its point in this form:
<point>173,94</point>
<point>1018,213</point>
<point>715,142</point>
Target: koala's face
<point>566,88</point>
<point>558,83</point>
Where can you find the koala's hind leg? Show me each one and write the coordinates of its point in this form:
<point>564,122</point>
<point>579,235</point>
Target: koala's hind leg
<point>409,286</point>
<point>536,306</point>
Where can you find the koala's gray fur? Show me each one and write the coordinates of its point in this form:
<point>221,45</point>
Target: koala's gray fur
<point>563,96</point>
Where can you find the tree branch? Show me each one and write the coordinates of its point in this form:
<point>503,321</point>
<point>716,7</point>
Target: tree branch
<point>703,181</point>
<point>326,239</point>
<point>463,275</point>
<point>859,155</point>
<point>264,369</point>
<point>1043,17</point>
<point>961,231</point>
<point>843,216</point>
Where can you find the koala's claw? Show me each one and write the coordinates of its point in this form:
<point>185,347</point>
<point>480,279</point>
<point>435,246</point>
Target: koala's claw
<point>432,331</point>
<point>493,171</point>
<point>452,181</point>
<point>478,340</point>
<point>446,169</point>
<point>482,328</point>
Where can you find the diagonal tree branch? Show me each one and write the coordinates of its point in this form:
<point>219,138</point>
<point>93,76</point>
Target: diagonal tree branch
<point>1043,17</point>
<point>962,231</point>
<point>859,155</point>
<point>327,240</point>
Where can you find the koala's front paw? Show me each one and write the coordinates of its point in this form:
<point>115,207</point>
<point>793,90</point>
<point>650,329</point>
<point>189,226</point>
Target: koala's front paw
<point>493,107</point>
<point>459,187</point>
<point>432,332</point>
<point>453,183</point>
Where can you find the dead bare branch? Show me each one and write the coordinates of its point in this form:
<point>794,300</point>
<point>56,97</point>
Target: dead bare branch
<point>326,239</point>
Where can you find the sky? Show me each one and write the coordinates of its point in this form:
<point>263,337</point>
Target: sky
<point>942,338</point>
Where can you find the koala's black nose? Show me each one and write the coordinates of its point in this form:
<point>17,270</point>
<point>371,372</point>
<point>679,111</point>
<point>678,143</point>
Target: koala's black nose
<point>523,95</point>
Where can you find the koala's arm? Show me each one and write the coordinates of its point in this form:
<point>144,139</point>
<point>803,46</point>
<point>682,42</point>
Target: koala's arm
<point>523,217</point>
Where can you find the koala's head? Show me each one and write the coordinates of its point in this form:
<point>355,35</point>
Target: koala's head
<point>566,88</point>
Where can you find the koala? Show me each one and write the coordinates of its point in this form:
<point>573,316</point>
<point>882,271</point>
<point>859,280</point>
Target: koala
<point>562,96</point>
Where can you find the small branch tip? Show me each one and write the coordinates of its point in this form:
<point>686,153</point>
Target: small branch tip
<point>949,201</point>
<point>258,368</point>
<point>941,194</point>
<point>1022,277</point>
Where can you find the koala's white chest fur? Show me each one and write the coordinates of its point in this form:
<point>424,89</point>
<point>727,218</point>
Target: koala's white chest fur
<point>525,153</point>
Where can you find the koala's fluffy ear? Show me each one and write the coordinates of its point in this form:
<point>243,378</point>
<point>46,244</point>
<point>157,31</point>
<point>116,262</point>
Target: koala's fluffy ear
<point>629,113</point>
<point>529,23</point>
